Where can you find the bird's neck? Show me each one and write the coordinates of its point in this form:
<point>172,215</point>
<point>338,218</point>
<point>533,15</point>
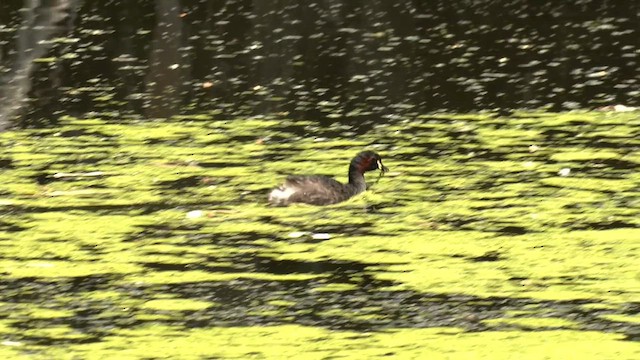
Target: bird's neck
<point>356,178</point>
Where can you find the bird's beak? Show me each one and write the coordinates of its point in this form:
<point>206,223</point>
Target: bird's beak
<point>382,168</point>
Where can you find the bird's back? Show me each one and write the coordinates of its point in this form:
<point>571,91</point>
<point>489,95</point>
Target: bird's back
<point>315,190</point>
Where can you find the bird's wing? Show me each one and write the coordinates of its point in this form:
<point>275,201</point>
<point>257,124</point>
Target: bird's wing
<point>316,189</point>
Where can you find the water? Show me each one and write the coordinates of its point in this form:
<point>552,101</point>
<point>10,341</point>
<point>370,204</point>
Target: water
<point>127,234</point>
<point>133,213</point>
<point>330,60</point>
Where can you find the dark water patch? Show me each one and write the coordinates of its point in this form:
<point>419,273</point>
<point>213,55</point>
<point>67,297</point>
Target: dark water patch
<point>190,181</point>
<point>597,170</point>
<point>342,272</point>
<point>572,278</point>
<point>462,136</point>
<point>618,143</point>
<point>355,229</point>
<point>279,139</point>
<point>246,302</point>
<point>458,222</point>
<point>444,119</point>
<point>361,229</point>
<point>44,178</point>
<point>579,123</point>
<point>382,208</point>
<point>89,320</point>
<point>280,156</point>
<point>429,152</point>
<point>239,238</point>
<point>218,164</point>
<point>161,231</point>
<point>631,308</point>
<point>560,135</point>
<point>499,202</point>
<point>348,126</point>
<point>166,266</point>
<point>550,186</point>
<point>492,184</point>
<point>11,227</point>
<point>106,209</point>
<point>93,159</point>
<point>513,230</point>
<point>79,132</point>
<point>475,154</point>
<point>509,230</point>
<point>6,163</point>
<point>273,266</point>
<point>48,178</point>
<point>243,138</point>
<point>618,164</point>
<point>42,290</point>
<point>365,307</point>
<point>97,209</point>
<point>604,225</point>
<point>76,339</point>
<point>159,141</point>
<point>178,141</point>
<point>293,132</point>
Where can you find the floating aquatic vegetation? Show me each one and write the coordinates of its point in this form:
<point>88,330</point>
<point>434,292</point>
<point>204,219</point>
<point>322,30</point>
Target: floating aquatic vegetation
<point>117,231</point>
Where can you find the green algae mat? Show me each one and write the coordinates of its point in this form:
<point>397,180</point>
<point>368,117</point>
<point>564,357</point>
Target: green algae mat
<point>491,237</point>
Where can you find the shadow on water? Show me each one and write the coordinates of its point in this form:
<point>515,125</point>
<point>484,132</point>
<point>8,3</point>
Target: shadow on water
<point>363,305</point>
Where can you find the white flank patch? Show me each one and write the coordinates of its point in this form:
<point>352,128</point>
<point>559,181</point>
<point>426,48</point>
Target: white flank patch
<point>279,195</point>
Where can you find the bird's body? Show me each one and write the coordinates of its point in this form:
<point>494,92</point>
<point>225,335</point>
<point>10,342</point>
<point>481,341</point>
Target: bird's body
<point>324,190</point>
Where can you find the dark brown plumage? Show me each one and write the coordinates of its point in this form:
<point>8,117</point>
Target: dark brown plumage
<point>324,190</point>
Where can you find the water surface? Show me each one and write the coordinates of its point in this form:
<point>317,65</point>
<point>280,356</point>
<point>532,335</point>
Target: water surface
<point>491,236</point>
